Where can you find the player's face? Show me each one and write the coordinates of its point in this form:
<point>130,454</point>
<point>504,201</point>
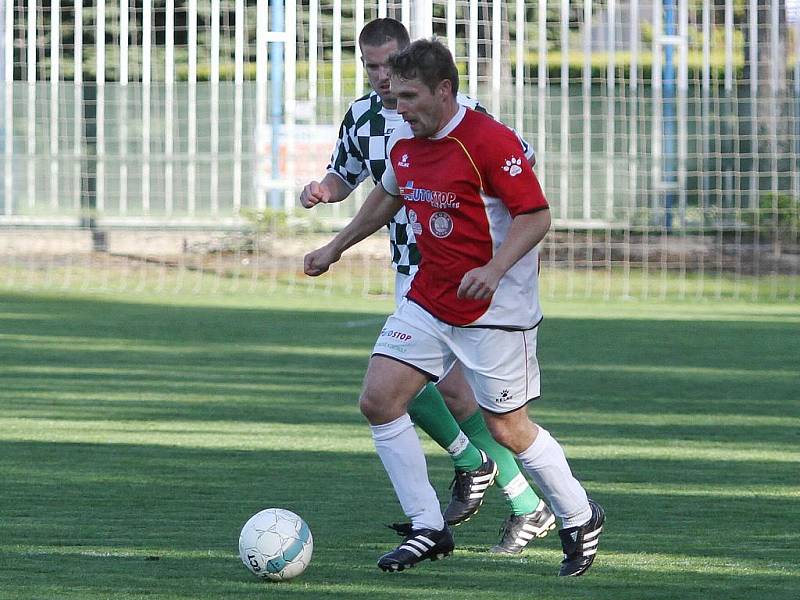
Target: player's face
<point>375,59</point>
<point>421,108</point>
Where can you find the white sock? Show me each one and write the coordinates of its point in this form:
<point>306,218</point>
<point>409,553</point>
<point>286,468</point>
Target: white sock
<point>545,462</point>
<point>401,453</point>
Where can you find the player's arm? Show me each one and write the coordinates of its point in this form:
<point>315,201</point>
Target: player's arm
<point>521,193</point>
<point>378,208</point>
<point>525,232</point>
<point>332,188</point>
<point>345,172</point>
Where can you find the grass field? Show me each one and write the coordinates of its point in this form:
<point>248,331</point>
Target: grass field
<point>138,433</point>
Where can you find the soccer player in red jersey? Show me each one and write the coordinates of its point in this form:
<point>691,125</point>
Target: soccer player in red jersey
<point>479,214</point>
<point>447,410</point>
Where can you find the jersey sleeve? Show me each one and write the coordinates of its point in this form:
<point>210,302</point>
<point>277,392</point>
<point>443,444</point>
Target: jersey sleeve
<point>508,176</point>
<point>347,161</point>
<point>389,179</point>
<point>475,105</point>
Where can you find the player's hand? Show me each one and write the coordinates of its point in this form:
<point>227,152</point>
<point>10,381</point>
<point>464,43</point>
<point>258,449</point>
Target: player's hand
<point>314,193</point>
<point>319,261</point>
<point>480,283</point>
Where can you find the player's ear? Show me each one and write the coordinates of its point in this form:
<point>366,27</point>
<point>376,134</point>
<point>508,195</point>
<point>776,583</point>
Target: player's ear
<point>445,88</point>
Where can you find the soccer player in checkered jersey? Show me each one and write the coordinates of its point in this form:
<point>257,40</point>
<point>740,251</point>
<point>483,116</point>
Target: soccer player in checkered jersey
<point>474,298</point>
<point>454,422</point>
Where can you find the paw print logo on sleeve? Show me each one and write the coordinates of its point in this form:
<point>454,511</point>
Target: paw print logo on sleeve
<point>512,166</point>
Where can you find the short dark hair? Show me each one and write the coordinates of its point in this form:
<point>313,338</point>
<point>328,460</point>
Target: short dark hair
<point>427,60</point>
<point>382,31</point>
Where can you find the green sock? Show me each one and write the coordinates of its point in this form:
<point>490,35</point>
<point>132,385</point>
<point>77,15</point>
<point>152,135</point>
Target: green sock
<point>429,411</point>
<point>516,488</point>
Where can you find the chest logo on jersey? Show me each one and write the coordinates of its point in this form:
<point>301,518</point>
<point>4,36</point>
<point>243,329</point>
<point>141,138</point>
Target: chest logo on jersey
<point>441,224</point>
<point>512,166</point>
<point>415,226</point>
<point>403,162</point>
<point>435,198</point>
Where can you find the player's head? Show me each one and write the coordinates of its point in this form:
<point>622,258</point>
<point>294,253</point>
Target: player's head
<point>378,40</point>
<point>425,83</point>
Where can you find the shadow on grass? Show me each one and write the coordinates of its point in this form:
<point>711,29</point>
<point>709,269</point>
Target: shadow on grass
<point>86,517</point>
<point>66,504</point>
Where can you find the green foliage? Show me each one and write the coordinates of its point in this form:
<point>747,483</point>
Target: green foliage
<point>776,212</point>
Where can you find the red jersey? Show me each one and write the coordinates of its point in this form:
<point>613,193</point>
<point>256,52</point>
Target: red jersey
<point>461,189</point>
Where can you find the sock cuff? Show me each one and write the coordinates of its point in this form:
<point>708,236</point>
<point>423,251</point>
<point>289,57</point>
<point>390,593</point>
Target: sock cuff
<point>391,429</point>
<point>459,444</point>
<point>473,424</point>
<point>538,447</point>
<point>516,486</point>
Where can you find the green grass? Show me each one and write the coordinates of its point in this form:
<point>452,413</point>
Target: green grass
<point>136,427</point>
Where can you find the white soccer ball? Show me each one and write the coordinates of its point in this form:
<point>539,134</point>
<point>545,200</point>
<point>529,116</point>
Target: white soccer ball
<point>276,544</point>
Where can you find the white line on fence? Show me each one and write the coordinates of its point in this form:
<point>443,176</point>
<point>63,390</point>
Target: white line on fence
<point>473,49</point>
<point>78,109</point>
<point>754,165</point>
<point>611,109</point>
<point>238,106</point>
<point>191,177</point>
<point>497,38</point>
<point>215,31</point>
<point>8,91</point>
<point>565,124</point>
<point>541,82</point>
<point>147,24</point>
<point>359,65</point>
<point>337,60</point>
<point>100,79</point>
<point>519,83</point>
<point>55,75</point>
<point>289,102</point>
<point>683,127</point>
<point>123,106</point>
<point>262,65</point>
<point>313,49</point>
<point>32,45</point>
<point>451,26</point>
<point>658,32</point>
<point>586,89</point>
<point>728,45</point>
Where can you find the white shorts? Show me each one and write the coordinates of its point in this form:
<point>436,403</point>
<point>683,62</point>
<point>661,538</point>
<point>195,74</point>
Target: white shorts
<point>500,365</point>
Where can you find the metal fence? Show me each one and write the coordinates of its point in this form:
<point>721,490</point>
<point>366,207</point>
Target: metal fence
<point>648,117</point>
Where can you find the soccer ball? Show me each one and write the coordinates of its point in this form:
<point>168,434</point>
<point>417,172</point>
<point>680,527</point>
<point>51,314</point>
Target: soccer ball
<point>275,544</point>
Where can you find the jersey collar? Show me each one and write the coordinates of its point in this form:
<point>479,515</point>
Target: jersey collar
<point>451,124</point>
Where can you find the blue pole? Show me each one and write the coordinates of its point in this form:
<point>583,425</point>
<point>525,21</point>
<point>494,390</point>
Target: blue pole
<point>670,119</point>
<point>276,103</point>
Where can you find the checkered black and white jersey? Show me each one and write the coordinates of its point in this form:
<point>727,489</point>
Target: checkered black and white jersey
<point>360,152</point>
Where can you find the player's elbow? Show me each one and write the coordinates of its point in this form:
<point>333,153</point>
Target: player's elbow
<point>547,219</point>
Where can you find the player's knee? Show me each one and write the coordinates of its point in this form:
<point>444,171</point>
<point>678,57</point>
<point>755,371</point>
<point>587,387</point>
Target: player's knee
<point>372,407</point>
<point>512,430</point>
<point>501,434</point>
<point>462,406</point>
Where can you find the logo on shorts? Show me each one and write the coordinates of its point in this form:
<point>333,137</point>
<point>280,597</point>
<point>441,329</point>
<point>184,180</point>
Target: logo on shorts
<point>512,166</point>
<point>441,224</point>
<point>504,395</point>
<point>397,335</point>
<point>415,226</point>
